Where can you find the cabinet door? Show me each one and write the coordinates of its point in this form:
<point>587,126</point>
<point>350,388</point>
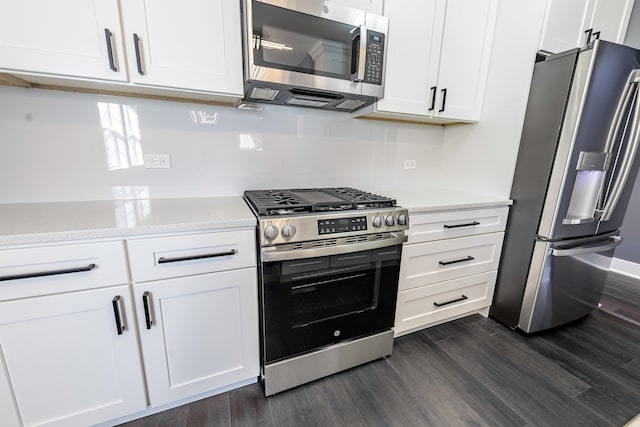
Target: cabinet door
<point>192,44</point>
<point>464,58</point>
<point>411,37</point>
<point>66,38</point>
<point>198,333</point>
<point>63,361</point>
<point>611,19</point>
<point>564,24</point>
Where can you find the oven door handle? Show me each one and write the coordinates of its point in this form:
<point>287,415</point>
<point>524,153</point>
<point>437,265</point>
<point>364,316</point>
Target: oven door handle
<point>271,253</point>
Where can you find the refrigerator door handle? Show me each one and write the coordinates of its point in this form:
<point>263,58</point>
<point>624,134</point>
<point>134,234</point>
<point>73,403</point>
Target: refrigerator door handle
<point>581,250</point>
<point>627,163</point>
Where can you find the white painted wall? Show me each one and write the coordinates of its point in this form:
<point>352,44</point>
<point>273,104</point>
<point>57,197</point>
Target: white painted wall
<point>481,157</point>
<point>55,146</point>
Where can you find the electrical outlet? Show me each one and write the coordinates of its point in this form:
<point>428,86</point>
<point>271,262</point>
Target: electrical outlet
<point>157,161</point>
<point>409,164</point>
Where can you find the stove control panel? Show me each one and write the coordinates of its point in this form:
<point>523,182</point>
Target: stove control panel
<point>342,225</point>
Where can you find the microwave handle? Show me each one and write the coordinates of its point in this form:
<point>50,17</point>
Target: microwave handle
<point>359,54</point>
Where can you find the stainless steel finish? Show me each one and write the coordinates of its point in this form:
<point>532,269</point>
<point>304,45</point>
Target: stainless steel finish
<point>299,370</point>
<point>566,143</point>
<point>362,54</point>
<point>306,225</point>
<point>358,93</point>
<point>377,221</point>
<point>565,282</point>
<point>615,241</point>
<point>322,9</point>
<point>617,117</point>
<point>390,220</point>
<point>270,232</point>
<point>627,161</point>
<point>580,135</point>
<point>335,246</point>
<point>593,161</point>
<point>288,231</point>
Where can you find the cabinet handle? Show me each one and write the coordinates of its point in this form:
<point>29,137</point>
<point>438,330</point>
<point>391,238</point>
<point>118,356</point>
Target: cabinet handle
<point>588,32</point>
<point>163,260</point>
<point>433,98</point>
<point>469,258</point>
<point>108,35</point>
<point>444,99</point>
<point>147,310</point>
<point>440,304</point>
<point>136,44</point>
<point>466,224</point>
<point>120,326</point>
<point>48,273</point>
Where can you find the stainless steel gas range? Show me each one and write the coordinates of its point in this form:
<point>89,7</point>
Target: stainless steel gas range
<point>329,268</point>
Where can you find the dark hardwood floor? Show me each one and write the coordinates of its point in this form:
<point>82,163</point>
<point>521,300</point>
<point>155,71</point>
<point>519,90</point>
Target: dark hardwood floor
<point>622,297</point>
<point>470,372</point>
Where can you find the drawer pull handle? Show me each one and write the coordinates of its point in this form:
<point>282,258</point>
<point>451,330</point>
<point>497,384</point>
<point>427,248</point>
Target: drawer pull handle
<point>49,273</point>
<point>147,310</point>
<point>440,304</point>
<point>469,258</point>
<point>163,260</point>
<point>120,326</point>
<point>467,224</point>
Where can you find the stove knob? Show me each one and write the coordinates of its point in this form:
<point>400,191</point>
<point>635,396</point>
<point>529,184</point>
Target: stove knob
<point>288,230</point>
<point>271,232</point>
<point>402,219</point>
<point>390,220</point>
<point>377,221</point>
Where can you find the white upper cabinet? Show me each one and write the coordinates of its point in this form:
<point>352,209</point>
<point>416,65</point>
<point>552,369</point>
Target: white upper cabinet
<point>407,77</point>
<point>156,47</point>
<point>191,44</point>
<point>73,38</point>
<point>573,23</point>
<point>438,59</point>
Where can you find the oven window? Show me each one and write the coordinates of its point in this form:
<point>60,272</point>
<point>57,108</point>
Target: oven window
<point>332,296</point>
<point>313,302</point>
<point>299,42</point>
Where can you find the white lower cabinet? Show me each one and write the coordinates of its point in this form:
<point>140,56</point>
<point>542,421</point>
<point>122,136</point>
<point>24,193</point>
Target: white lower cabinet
<point>197,312</point>
<point>198,333</point>
<point>449,266</point>
<point>70,358</point>
<point>75,333</point>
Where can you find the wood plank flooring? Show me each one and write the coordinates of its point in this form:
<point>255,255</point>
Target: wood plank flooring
<point>621,297</point>
<point>470,372</point>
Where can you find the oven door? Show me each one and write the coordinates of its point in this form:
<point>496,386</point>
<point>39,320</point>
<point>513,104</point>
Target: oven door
<point>315,44</point>
<point>309,303</point>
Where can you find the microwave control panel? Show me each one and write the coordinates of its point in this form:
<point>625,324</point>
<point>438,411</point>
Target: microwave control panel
<point>375,56</point>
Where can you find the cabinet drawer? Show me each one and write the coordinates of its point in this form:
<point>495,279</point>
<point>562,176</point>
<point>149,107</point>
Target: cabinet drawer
<point>431,226</point>
<point>164,257</point>
<point>427,305</point>
<point>431,262</point>
<point>44,270</point>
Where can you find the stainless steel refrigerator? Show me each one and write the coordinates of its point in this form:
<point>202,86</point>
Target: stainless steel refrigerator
<point>574,175</point>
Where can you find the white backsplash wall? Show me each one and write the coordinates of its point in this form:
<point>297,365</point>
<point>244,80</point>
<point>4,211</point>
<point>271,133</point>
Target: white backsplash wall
<point>59,146</point>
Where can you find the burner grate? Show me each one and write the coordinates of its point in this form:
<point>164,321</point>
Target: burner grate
<point>290,202</point>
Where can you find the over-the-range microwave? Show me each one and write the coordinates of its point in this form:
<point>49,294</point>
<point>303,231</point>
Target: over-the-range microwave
<point>313,53</point>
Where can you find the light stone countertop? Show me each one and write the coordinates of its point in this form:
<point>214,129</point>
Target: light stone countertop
<point>32,223</point>
<point>29,223</point>
<point>438,199</point>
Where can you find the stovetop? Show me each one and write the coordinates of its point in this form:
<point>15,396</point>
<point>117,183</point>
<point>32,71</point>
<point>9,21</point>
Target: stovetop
<point>300,201</point>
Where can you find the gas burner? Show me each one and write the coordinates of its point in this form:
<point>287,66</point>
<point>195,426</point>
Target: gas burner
<point>297,201</point>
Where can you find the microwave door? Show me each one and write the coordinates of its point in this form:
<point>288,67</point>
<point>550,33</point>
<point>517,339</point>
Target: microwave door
<point>291,41</point>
